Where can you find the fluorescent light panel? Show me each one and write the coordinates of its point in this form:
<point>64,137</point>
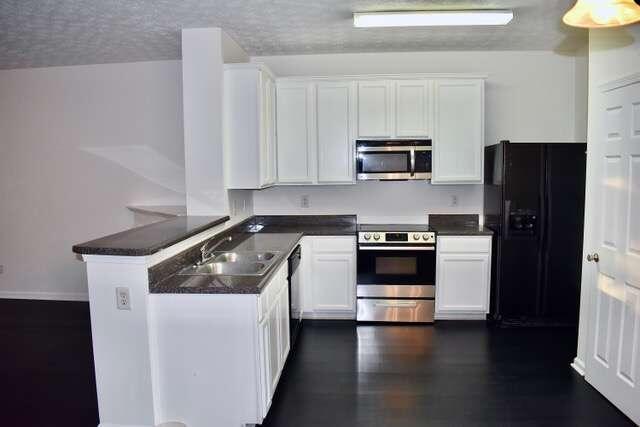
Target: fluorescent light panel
<point>432,18</point>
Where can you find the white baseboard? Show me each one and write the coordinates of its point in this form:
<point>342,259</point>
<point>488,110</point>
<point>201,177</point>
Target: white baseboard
<point>460,316</point>
<point>579,366</point>
<point>330,315</point>
<point>122,425</point>
<point>47,296</point>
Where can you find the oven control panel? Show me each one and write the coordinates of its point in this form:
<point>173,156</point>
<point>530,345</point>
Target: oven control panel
<point>396,237</point>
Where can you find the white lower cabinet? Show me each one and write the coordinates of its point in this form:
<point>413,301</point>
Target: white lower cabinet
<point>463,277</point>
<point>273,307</point>
<point>329,277</point>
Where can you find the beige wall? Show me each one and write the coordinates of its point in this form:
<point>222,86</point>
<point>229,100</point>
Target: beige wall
<point>78,145</point>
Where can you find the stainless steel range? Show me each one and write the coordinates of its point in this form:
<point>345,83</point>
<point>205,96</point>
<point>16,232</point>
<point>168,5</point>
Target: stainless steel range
<point>396,273</point>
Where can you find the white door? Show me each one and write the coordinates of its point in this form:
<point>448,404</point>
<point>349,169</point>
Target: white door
<point>613,346</point>
<point>413,108</point>
<point>375,109</point>
<point>458,143</point>
<point>295,133</point>
<point>335,117</point>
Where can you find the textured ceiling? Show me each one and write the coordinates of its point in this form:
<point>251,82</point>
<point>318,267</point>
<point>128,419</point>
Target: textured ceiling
<point>38,33</point>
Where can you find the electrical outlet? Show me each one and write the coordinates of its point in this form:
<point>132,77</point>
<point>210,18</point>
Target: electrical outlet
<point>304,201</point>
<point>123,299</point>
<point>1,268</point>
<point>454,200</point>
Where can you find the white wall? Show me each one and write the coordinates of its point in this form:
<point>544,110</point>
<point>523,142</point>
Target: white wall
<point>530,97</point>
<point>613,54</point>
<point>78,145</point>
<point>403,202</point>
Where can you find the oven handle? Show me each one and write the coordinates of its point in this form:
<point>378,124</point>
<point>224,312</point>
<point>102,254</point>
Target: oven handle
<point>403,304</point>
<point>397,248</point>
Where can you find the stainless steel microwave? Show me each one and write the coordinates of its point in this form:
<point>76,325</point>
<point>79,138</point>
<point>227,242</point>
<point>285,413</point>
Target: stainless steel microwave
<point>393,160</point>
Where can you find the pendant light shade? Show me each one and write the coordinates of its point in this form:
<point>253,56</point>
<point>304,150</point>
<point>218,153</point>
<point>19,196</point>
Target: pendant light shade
<point>602,13</point>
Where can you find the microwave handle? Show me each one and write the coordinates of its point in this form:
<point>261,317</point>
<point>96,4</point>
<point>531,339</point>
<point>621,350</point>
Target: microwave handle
<point>413,162</point>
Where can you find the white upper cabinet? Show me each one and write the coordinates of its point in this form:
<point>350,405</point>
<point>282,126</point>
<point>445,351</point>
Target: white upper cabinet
<point>296,133</point>
<point>249,127</point>
<point>335,116</point>
<point>375,109</point>
<point>413,108</point>
<point>319,119</point>
<point>458,141</point>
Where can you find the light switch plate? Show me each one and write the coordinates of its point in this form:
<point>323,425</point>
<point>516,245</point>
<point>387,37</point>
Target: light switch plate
<point>123,299</point>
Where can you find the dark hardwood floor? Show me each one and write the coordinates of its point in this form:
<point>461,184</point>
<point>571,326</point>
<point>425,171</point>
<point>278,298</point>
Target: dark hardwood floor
<point>450,374</point>
<point>46,365</point>
<point>340,374</point>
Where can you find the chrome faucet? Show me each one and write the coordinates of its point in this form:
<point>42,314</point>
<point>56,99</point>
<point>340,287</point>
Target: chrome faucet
<point>205,251</point>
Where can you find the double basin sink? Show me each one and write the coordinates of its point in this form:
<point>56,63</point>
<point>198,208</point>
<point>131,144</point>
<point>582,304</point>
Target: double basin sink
<point>246,263</point>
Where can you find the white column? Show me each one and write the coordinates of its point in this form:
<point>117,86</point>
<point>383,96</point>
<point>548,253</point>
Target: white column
<point>202,85</point>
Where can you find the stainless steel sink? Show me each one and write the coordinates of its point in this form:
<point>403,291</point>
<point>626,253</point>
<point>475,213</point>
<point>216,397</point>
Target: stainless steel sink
<point>243,256</point>
<point>233,264</point>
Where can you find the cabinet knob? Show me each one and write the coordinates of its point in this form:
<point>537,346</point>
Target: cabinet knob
<point>593,257</point>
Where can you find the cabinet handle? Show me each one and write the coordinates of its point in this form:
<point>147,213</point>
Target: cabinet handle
<point>396,248</point>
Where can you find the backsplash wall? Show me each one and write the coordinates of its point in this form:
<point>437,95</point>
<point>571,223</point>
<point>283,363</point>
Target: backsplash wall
<point>373,201</point>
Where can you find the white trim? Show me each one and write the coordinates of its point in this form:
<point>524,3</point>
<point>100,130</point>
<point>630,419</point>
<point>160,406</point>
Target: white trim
<point>460,316</point>
<point>45,296</point>
<point>579,366</point>
<point>115,259</point>
<point>363,77</point>
<point>621,82</point>
<point>123,425</point>
<point>250,66</point>
<point>330,315</point>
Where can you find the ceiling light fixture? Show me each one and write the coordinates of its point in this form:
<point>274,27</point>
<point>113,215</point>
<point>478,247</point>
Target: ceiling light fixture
<point>432,18</point>
<point>602,13</point>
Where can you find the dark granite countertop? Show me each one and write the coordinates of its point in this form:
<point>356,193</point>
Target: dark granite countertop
<point>458,225</point>
<point>310,225</point>
<point>221,284</point>
<point>462,230</point>
<point>278,233</point>
<point>149,239</point>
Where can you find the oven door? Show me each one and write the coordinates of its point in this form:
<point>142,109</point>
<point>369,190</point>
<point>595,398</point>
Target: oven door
<point>398,266</point>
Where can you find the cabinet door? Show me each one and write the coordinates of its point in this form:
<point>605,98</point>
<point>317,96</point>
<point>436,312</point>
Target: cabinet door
<point>333,282</point>
<point>268,132</point>
<point>335,105</point>
<point>274,347</point>
<point>375,109</point>
<point>413,108</point>
<point>295,133</point>
<point>283,319</point>
<point>265,365</point>
<point>462,284</point>
<point>458,143</point>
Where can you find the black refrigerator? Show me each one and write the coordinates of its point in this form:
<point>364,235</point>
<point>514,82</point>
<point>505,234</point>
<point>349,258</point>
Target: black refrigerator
<point>534,203</point>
